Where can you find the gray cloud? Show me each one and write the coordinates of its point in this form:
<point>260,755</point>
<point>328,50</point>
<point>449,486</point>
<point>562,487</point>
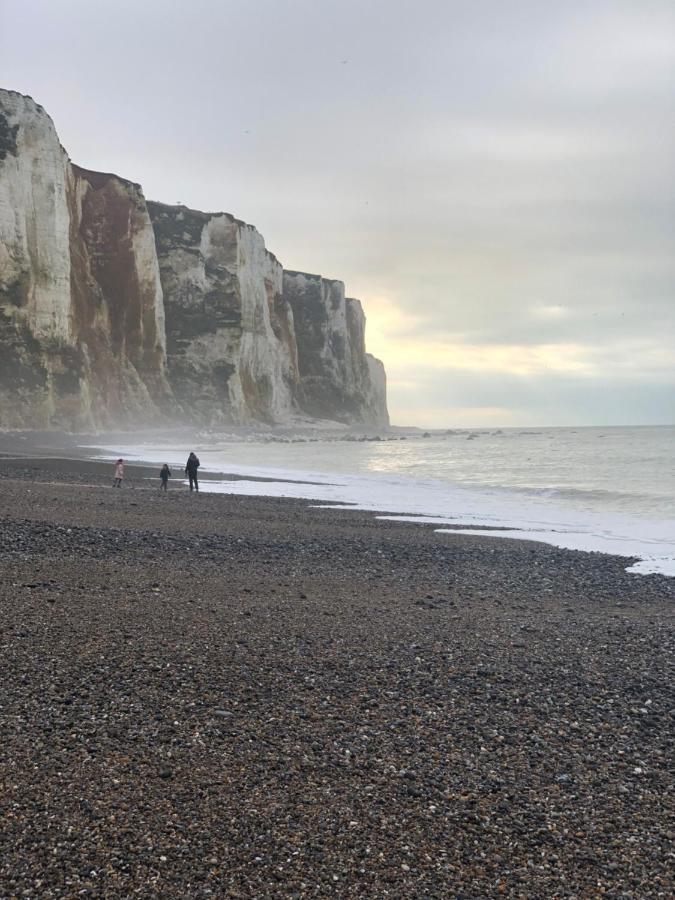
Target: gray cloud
<point>498,173</point>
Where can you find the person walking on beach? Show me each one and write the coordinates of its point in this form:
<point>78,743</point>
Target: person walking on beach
<point>191,467</point>
<point>164,475</point>
<point>119,473</point>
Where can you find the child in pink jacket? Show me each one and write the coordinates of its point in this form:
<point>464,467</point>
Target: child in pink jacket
<point>119,473</point>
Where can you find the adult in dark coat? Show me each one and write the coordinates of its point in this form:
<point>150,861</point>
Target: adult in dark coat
<point>191,467</point>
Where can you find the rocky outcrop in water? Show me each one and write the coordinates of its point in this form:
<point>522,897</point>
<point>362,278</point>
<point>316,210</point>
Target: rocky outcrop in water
<point>114,311</point>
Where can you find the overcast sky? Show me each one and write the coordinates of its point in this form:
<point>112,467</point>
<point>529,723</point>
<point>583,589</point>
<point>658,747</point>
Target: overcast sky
<point>495,179</point>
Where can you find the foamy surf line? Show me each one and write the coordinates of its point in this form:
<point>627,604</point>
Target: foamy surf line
<point>462,510</point>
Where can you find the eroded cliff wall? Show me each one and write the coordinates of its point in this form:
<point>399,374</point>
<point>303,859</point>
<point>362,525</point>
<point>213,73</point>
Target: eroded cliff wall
<point>38,364</point>
<point>116,296</point>
<point>337,378</point>
<point>81,313</point>
<point>231,347</point>
<point>117,312</point>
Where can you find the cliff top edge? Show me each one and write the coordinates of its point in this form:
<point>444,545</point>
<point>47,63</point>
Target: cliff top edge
<point>312,275</point>
<point>205,216</point>
<point>25,97</point>
<point>94,176</point>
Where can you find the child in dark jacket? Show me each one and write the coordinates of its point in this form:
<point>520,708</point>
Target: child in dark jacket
<point>164,475</point>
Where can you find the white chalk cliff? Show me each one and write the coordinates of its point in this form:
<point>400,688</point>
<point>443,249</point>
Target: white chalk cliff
<point>115,312</point>
<point>337,379</point>
<point>230,340</point>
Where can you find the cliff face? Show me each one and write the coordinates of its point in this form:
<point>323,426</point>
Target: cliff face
<point>231,346</point>
<point>116,293</point>
<point>337,378</point>
<point>81,315</point>
<point>34,265</point>
<point>115,312</point>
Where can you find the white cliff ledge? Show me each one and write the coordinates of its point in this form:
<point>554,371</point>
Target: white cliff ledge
<point>114,311</point>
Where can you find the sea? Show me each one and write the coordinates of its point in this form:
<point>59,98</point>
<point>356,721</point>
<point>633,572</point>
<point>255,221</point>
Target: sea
<point>609,490</point>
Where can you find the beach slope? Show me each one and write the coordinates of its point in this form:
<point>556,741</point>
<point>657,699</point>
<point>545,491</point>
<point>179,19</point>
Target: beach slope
<point>233,697</point>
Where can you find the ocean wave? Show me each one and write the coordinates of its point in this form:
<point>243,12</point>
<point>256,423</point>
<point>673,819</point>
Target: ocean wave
<point>599,495</point>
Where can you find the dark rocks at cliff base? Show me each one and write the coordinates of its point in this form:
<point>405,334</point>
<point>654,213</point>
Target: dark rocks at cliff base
<point>251,697</point>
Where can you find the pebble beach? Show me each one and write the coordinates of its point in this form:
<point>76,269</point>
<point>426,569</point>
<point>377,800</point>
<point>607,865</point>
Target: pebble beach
<point>228,696</point>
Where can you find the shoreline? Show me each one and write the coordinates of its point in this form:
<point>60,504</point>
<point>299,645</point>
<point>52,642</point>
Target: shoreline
<point>646,545</point>
<point>646,542</point>
<point>244,696</point>
<point>140,471</point>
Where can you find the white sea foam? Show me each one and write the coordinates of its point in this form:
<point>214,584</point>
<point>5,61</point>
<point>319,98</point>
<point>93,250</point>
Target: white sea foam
<point>621,512</point>
<point>653,543</point>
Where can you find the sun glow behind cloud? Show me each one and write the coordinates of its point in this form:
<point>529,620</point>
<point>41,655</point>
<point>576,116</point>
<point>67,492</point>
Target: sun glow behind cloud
<point>440,359</point>
<point>392,333</point>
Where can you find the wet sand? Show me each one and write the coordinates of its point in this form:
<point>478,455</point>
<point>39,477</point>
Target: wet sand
<point>241,697</point>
